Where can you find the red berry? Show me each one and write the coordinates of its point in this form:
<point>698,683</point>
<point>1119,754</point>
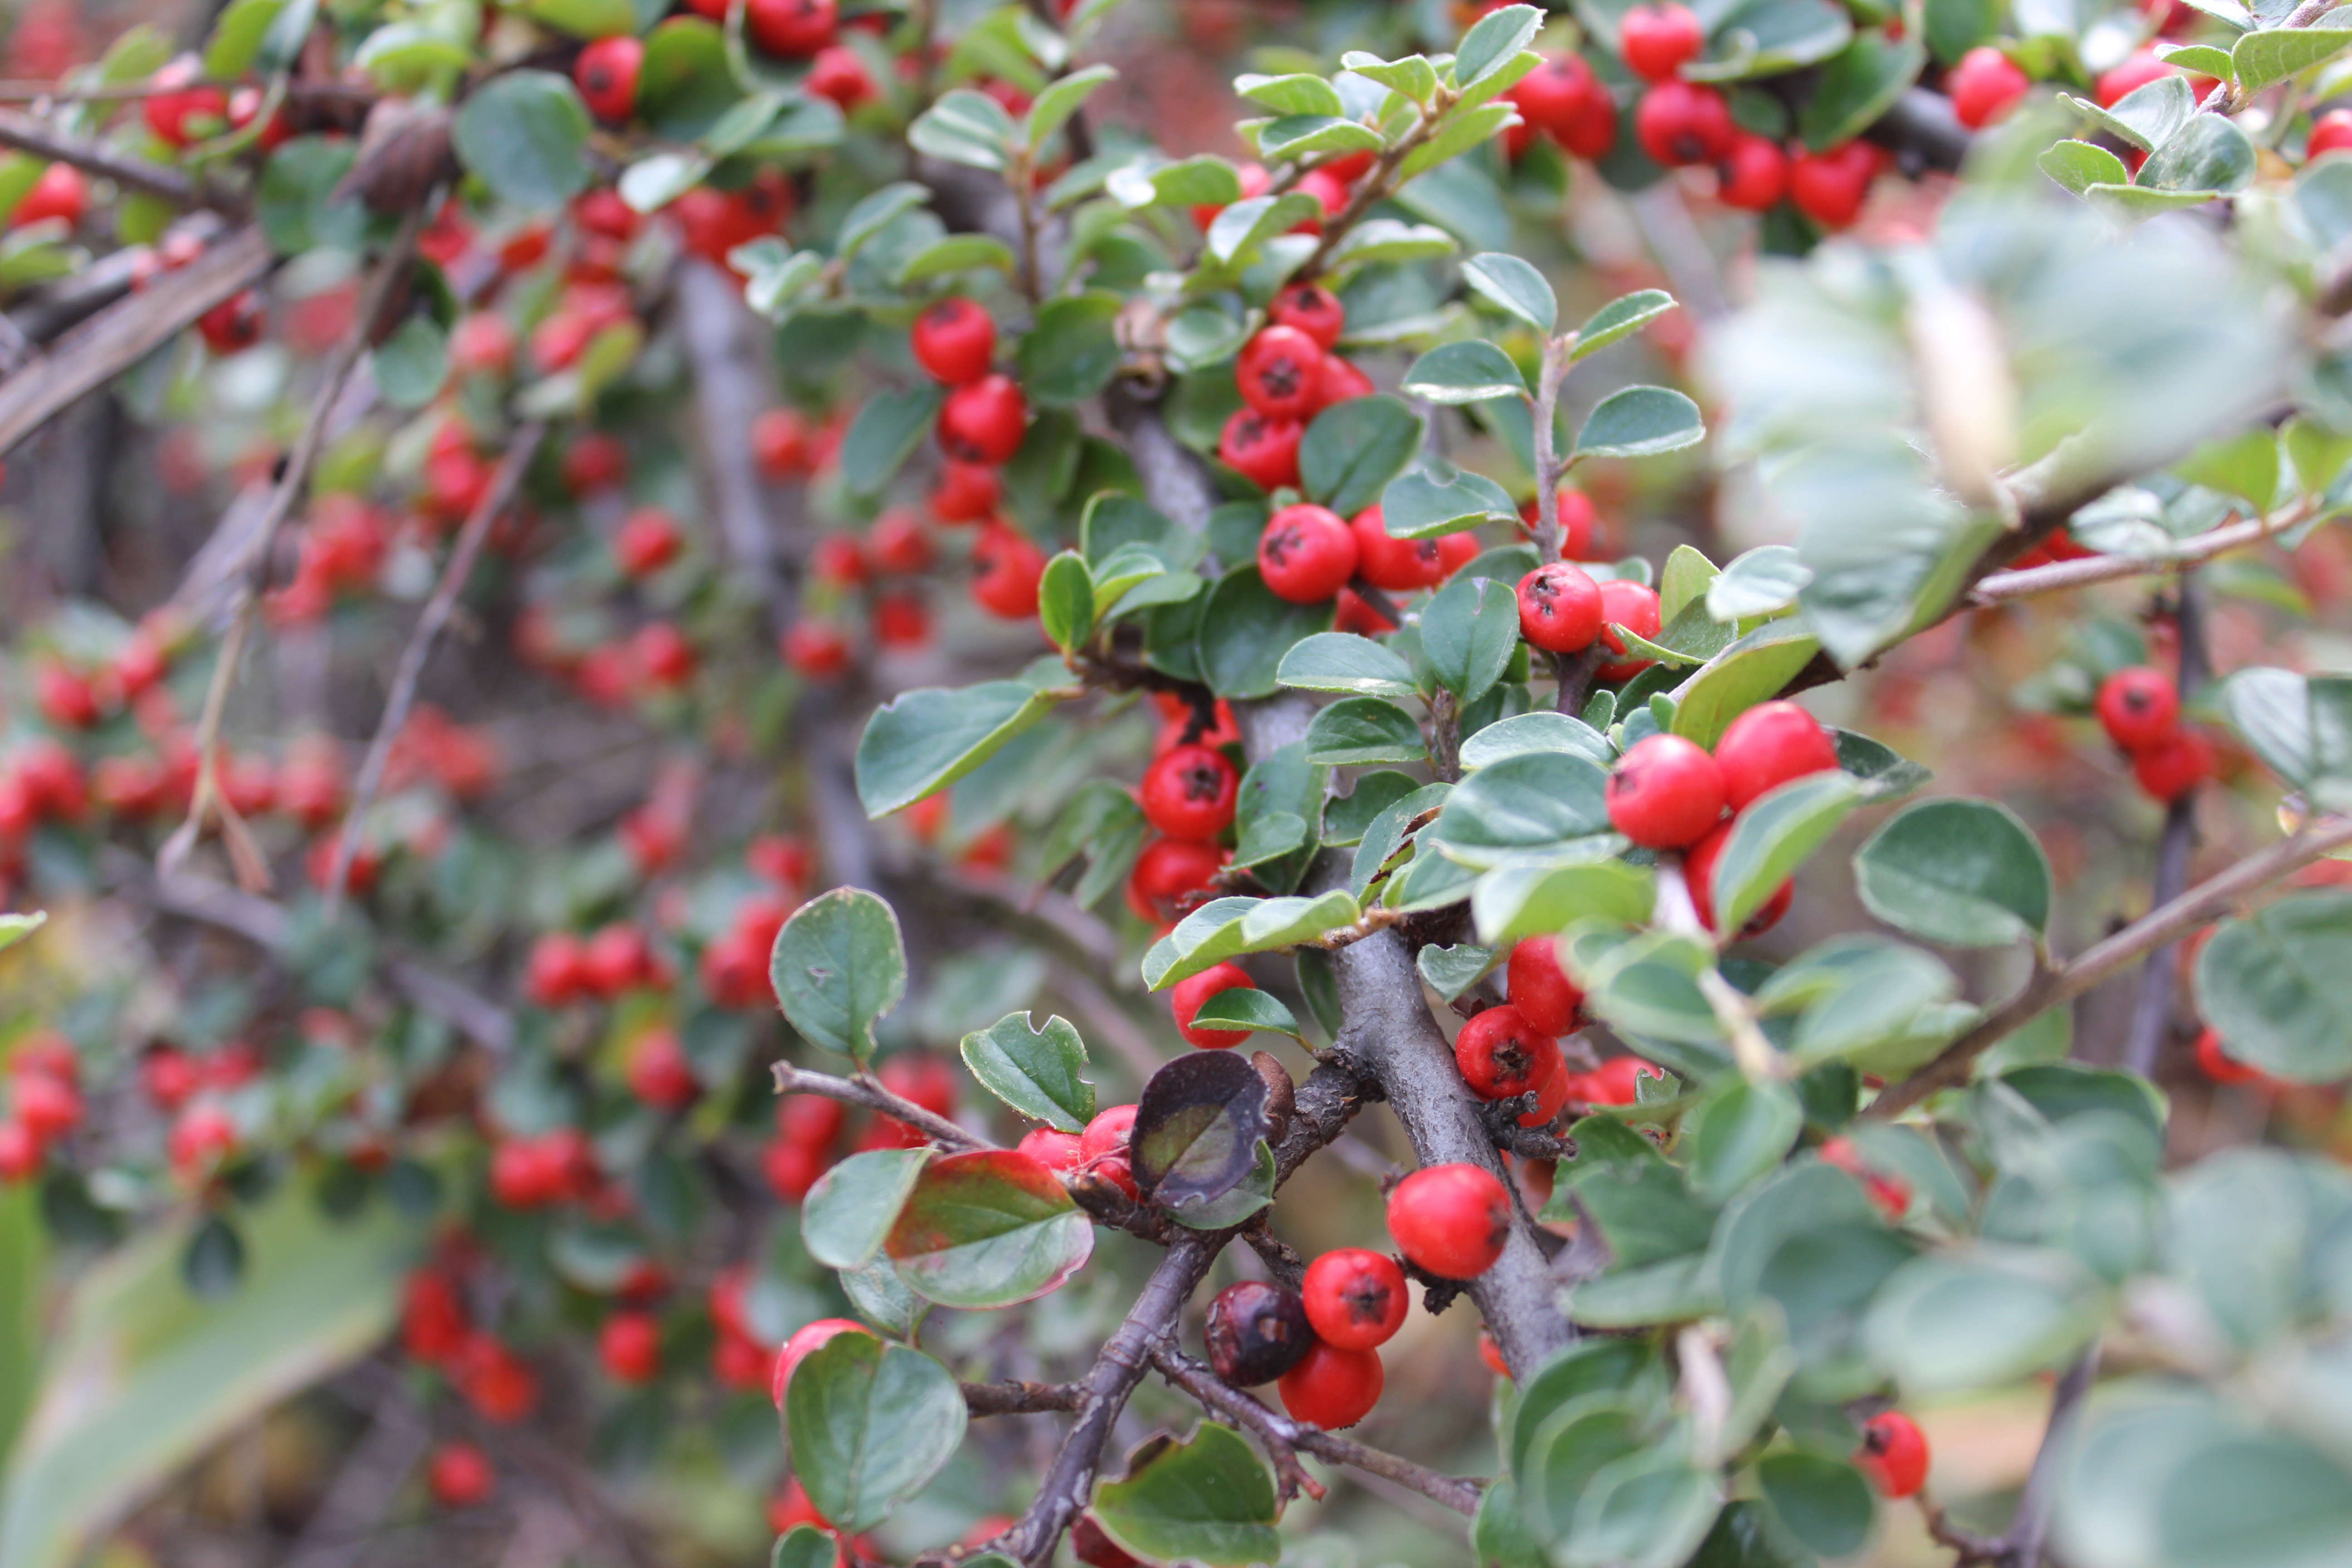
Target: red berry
<point>797,29</point>
<point>1450,1220</point>
<point>1635,607</point>
<point>1280,372</point>
<point>1617,1081</point>
<point>1666,793</point>
<point>1189,792</point>
<point>2174,765</point>
<point>983,421</point>
<point>47,1106</point>
<point>21,1152</point>
<point>190,114</point>
<point>901,619</point>
<point>1057,1150</point>
<point>649,540</point>
<point>802,1345</point>
<point>61,191</point>
<point>1681,122</point>
<point>1256,1333</point>
<point>602,213</point>
<point>2133,74</point>
<point>1090,1546</point>
<point>1311,309</point>
<point>779,443</point>
<point>2214,1060</point>
<point>1541,989</point>
<point>616,959</point>
<point>1893,1453</point>
<point>955,341</point>
<point>629,1346</point>
<point>233,325</point>
<point>838,74</point>
<point>1262,450</point>
<point>966,492</point>
<point>481,343</point>
<point>1396,565</point>
<point>1559,608</point>
<point>202,1136</point>
<point>595,462</point>
<point>1984,86</point>
<point>1006,570</point>
<point>1889,1193</point>
<point>899,543</point>
<point>1305,555</point>
<point>658,1072</point>
<point>1576,523</point>
<point>816,648</point>
<point>606,75</point>
<point>1188,996</point>
<point>838,559</point>
<point>1657,40</point>
<point>1830,187</point>
<point>2331,132</point>
<point>1254,181</point>
<point>1330,192</point>
<point>790,1169</point>
<point>459,1476</point>
<point>1355,1298</point>
<point>663,656</point>
<point>1766,746</point>
<point>2139,707</point>
<point>1754,174</point>
<point>1698,876</point>
<point>1331,1387</point>
<point>1554,96</point>
<point>1108,1132</point>
<point>1167,870</point>
<point>1341,381</point>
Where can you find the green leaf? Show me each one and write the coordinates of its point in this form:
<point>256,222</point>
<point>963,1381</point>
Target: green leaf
<point>1354,448</point>
<point>1467,372</point>
<point>1519,900</point>
<point>1541,730</point>
<point>1771,837</point>
<point>1238,231</point>
<point>296,201</point>
<point>1061,99</point>
<point>1300,137</point>
<point>1620,318</point>
<point>871,1423</point>
<point>1496,40</point>
<point>1356,732</point>
<point>258,36</point>
<point>1537,803</point>
<point>884,435</point>
<point>15,928</point>
<point>1514,286</point>
<point>882,1299</point>
<point>1207,1499</point>
<point>1227,928</point>
<point>875,212</point>
<point>2148,115</point>
<point>1387,239</point>
<point>1066,600</point>
<point>2079,165</point>
<point>2136,201</point>
<point>1451,970</point>
<point>848,1213</point>
<point>921,742</point>
<point>991,1228</point>
<point>2209,154</point>
<point>1979,1317</point>
<point>1073,351</point>
<point>2272,985</point>
<point>1246,631</point>
<point>213,1263</point>
<point>1645,1510</point>
<point>1683,580</point>
<point>1641,422</point>
<point>1346,816</point>
<point>964,127</point>
<point>1967,873</point>
<point>410,366</point>
<point>1857,86</point>
<point>1036,1071</point>
<point>586,18</point>
<point>1575,1444</point>
<point>1246,1007</point>
<point>805,1546</point>
<point>1749,671</point>
<point>1750,38</point>
<point>1820,1499</point>
<point>1412,76</point>
<point>684,85</point>
<point>525,135</point>
<point>1301,93</point>
<point>1437,498</point>
<point>2275,54</point>
<point>1740,1130</point>
<point>1344,662</point>
<point>955,253</point>
<point>2245,464</point>
<point>2204,59</point>
<point>1469,632</point>
<point>838,966</point>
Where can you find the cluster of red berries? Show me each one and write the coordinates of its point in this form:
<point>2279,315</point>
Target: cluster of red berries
<point>1318,1344</point>
<point>45,1103</point>
<point>1288,371</point>
<point>982,423</point>
<point>1668,792</point>
<point>2139,708</point>
<point>565,969</point>
<point>1190,803</point>
<point>1102,1150</point>
<point>1512,1049</point>
<point>1562,610</point>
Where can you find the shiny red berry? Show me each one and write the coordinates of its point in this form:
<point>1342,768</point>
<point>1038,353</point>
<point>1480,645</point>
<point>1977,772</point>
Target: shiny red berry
<point>1006,569</point>
<point>1666,793</point>
<point>1559,608</point>
<point>779,443</point>
<point>1332,1388</point>
<point>1055,1151</point>
<point>1754,174</point>
<point>1306,554</point>
<point>795,28</point>
<point>1698,876</point>
<point>1681,122</point>
<point>629,1347</point>
<point>1984,86</point>
<point>1355,1298</point>
<point>2139,707</point>
<point>1167,871</point>
<point>1188,996</point>
<point>1634,606</point>
<point>1657,40</point>
<point>984,421</point>
<point>1766,746</point>
<point>648,540</point>
<point>2174,765</point>
<point>1450,1220</point>
<point>1830,187</point>
<point>1280,372</point>
<point>1395,565</point>
<point>1262,450</point>
<point>1893,1453</point>
<point>606,75</point>
<point>955,341</point>
<point>2331,132</point>
<point>1311,309</point>
<point>1189,792</point>
<point>459,1476</point>
<point>1541,989</point>
<point>1501,1054</point>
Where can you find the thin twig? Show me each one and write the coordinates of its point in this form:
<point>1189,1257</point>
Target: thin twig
<point>2020,1544</point>
<point>1546,446</point>
<point>292,485</point>
<point>2152,1016</point>
<point>27,134</point>
<point>1377,184</point>
<point>1575,677</point>
<point>2051,986</point>
<point>1018,1398</point>
<point>2003,587</point>
<point>455,574</point>
<point>864,1091</point>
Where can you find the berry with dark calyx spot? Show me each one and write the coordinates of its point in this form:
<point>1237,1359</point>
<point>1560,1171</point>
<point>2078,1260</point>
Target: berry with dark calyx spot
<point>2214,1060</point>
<point>1332,1388</point>
<point>2139,707</point>
<point>1263,451</point>
<point>1392,564</point>
<point>984,421</point>
<point>1541,989</point>
<point>459,1476</point>
<point>2174,765</point>
<point>1055,1149</point>
<point>955,341</point>
<point>838,74</point>
<point>606,75</point>
<point>1280,372</point>
<point>794,29</point>
<point>1657,40</point>
<point>1256,1333</point>
<point>1984,86</point>
<point>1306,554</point>
<point>1559,608</point>
<point>1830,187</point>
<point>233,325</point>
<point>1666,793</point>
<point>1355,1298</point>
<point>1168,870</point>
<point>779,443</point>
<point>1311,309</point>
<point>1450,1220</point>
<point>1107,1134</point>
<point>1006,571</point>
<point>1551,97</point>
<point>1698,876</point>
<point>1753,175</point>
<point>1500,1054</point>
<point>1766,746</point>
<point>1189,792</point>
<point>967,493</point>
<point>1341,381</point>
<point>1681,123</point>
<point>1187,996</point>
<point>1893,1453</point>
<point>649,540</point>
<point>1634,606</point>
